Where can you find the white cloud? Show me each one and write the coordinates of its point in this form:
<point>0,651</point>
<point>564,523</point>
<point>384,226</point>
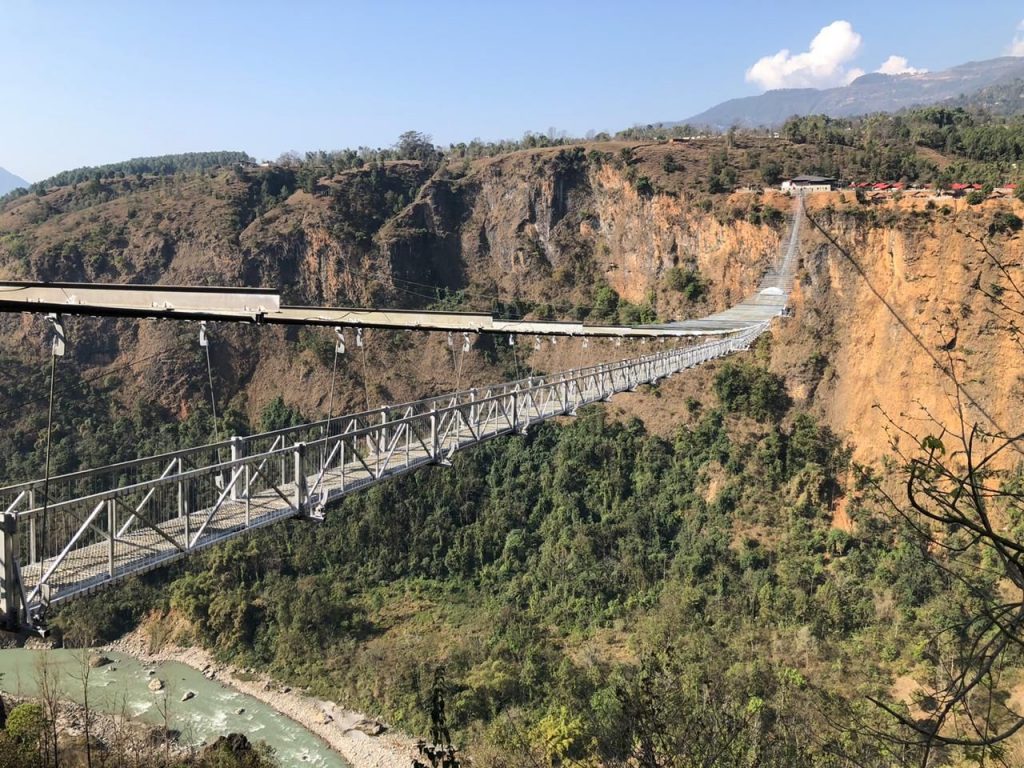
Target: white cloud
<point>898,65</point>
<point>821,66</point>
<point>1016,47</point>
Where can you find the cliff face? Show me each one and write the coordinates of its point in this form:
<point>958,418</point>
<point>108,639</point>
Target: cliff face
<point>547,226</point>
<point>544,229</point>
<point>891,329</point>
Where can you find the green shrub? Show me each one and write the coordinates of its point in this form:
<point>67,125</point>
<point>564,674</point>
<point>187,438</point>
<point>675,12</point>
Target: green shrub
<point>687,282</point>
<point>606,303</point>
<point>1005,222</point>
<point>643,186</point>
<point>756,392</point>
<point>277,415</point>
<point>20,745</point>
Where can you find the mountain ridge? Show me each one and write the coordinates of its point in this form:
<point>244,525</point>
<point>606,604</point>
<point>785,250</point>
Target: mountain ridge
<point>9,181</point>
<point>873,92</point>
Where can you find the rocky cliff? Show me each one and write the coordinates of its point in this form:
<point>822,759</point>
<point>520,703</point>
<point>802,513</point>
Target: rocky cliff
<point>532,232</point>
<point>903,311</point>
<point>544,233</point>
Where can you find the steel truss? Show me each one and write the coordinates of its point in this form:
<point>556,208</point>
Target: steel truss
<point>123,519</point>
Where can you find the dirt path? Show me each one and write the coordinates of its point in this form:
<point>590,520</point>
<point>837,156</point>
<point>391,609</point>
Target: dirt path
<point>340,728</point>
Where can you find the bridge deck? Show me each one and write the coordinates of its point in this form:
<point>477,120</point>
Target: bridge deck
<point>99,526</point>
<point>157,517</point>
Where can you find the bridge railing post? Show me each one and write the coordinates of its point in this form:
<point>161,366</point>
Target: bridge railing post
<point>237,452</point>
<point>301,492</point>
<point>185,502</point>
<point>32,551</point>
<point>111,534</point>
<point>435,434</point>
<point>248,496</point>
<point>9,600</point>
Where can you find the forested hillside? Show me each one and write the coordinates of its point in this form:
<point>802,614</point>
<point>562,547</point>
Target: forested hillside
<point>714,571</point>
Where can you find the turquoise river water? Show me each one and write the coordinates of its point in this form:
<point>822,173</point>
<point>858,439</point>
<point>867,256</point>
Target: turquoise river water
<point>122,686</point>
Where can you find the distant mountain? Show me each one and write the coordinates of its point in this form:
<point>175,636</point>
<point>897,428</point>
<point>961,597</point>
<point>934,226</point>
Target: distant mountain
<point>9,181</point>
<point>874,92</point>
<point>1001,99</point>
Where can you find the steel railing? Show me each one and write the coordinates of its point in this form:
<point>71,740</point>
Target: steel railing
<point>107,523</point>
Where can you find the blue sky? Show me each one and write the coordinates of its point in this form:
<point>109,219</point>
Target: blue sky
<point>97,82</point>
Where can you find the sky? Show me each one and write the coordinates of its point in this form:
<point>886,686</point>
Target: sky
<point>98,82</point>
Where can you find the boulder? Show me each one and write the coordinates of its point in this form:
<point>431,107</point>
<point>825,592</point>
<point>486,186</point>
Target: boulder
<point>157,736</point>
<point>234,744</point>
<point>188,695</point>
<point>156,684</point>
<point>98,660</point>
<point>370,727</point>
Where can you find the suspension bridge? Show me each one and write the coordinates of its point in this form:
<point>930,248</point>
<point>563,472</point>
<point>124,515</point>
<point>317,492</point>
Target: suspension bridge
<point>70,535</point>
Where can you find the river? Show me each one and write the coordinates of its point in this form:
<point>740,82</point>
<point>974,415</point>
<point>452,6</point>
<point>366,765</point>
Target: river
<point>212,712</point>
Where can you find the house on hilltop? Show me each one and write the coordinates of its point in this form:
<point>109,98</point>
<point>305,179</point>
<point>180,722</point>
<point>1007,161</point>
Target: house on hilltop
<point>808,184</point>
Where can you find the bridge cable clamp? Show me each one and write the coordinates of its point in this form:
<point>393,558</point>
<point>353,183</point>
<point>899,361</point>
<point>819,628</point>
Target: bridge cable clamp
<point>59,341</point>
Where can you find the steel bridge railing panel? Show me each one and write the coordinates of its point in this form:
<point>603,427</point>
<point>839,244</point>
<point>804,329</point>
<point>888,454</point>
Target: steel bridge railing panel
<point>112,522</point>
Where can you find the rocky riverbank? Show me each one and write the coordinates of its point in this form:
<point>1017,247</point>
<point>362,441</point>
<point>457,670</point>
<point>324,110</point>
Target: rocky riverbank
<point>118,732</point>
<point>363,742</point>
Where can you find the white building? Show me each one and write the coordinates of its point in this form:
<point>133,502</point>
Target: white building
<point>808,184</point>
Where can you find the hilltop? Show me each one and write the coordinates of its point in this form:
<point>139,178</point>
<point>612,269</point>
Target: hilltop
<point>874,92</point>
